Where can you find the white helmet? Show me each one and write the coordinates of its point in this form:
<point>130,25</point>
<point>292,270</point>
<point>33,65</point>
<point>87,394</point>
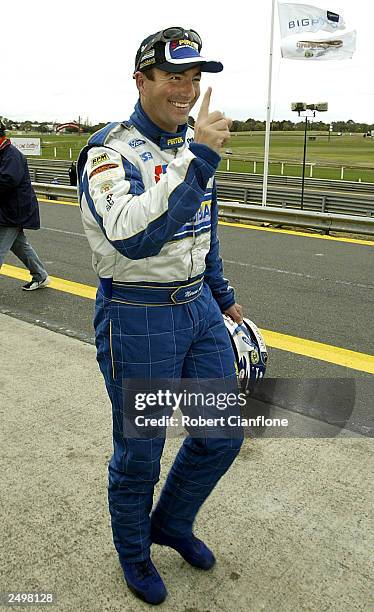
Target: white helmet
<point>250,351</point>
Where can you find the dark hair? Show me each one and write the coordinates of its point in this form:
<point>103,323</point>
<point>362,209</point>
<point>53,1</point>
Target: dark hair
<point>149,74</point>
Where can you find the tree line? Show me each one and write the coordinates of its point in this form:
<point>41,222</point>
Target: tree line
<point>254,125</point>
<point>250,125</point>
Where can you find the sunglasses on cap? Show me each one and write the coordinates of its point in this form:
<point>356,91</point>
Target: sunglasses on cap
<point>168,35</point>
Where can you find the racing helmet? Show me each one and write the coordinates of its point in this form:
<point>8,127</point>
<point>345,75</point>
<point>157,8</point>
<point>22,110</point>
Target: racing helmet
<point>250,351</point>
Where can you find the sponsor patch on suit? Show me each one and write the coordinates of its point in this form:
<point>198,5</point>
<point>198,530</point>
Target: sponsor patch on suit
<point>136,142</point>
<point>99,159</point>
<point>102,169</point>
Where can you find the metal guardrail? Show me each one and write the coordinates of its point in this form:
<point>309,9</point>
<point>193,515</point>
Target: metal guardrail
<point>297,218</point>
<point>294,162</point>
<point>295,181</point>
<point>55,192</point>
<point>248,212</point>
<point>53,163</point>
<point>315,201</point>
<point>46,170</point>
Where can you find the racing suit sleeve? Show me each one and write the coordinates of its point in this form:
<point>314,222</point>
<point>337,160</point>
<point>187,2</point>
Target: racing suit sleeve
<point>139,221</point>
<point>221,290</point>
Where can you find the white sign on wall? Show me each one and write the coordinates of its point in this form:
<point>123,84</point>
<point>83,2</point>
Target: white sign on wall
<point>27,146</point>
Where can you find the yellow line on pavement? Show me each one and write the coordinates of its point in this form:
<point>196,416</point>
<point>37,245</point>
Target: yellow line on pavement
<point>292,344</point>
<point>58,202</point>
<point>317,350</point>
<point>254,227</point>
<point>293,233</point>
<point>59,284</point>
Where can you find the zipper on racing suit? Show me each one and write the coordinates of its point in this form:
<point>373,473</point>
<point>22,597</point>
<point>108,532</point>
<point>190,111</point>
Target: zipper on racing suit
<point>193,226</point>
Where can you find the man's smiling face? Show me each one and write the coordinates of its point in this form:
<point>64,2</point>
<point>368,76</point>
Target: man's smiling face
<point>169,97</point>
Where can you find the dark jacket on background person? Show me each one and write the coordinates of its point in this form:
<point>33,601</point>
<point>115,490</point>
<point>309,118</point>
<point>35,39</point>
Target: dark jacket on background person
<point>18,203</point>
<point>73,175</point>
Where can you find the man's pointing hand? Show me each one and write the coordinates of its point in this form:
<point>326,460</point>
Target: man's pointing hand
<point>211,128</point>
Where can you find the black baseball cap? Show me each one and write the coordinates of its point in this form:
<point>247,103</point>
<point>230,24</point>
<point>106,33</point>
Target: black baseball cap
<point>173,50</point>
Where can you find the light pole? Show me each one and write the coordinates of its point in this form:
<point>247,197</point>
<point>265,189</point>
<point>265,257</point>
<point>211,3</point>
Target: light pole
<point>302,107</point>
<point>330,130</point>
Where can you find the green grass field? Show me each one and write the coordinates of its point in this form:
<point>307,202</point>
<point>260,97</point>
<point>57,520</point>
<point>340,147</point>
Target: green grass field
<point>355,153</point>
<point>62,142</point>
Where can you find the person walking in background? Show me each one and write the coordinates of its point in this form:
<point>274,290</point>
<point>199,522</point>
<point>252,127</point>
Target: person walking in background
<point>73,174</point>
<point>19,210</point>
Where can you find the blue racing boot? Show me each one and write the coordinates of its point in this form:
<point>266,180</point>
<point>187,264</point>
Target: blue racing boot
<point>144,581</point>
<point>193,550</point>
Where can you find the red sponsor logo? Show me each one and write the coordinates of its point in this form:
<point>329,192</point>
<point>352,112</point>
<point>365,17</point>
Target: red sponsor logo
<point>159,170</point>
<point>102,169</point>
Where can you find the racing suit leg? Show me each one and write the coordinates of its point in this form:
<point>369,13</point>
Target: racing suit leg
<point>200,462</point>
<point>135,342</point>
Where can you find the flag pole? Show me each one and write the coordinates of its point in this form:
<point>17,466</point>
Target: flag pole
<point>268,113</point>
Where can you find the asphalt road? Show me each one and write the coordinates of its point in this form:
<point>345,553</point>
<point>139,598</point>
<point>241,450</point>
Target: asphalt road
<point>316,289</point>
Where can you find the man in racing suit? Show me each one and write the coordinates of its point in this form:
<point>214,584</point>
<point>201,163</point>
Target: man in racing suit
<point>149,210</point>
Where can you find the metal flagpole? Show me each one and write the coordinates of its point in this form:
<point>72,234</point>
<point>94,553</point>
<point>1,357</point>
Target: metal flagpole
<point>304,160</point>
<point>268,114</point>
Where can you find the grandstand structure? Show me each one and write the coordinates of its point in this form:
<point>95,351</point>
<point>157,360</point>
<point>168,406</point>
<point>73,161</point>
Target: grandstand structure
<point>62,127</point>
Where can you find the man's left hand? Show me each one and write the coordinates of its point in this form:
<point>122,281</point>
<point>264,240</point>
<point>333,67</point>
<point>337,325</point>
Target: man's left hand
<point>235,312</point>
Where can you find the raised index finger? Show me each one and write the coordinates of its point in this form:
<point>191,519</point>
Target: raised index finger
<point>204,108</point>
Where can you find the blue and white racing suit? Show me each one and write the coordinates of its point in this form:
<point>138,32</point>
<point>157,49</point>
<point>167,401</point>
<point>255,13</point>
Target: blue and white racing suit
<point>149,210</point>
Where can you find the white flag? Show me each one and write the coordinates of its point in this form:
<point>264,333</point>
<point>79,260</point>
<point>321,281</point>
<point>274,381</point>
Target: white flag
<point>300,18</point>
<point>308,47</point>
